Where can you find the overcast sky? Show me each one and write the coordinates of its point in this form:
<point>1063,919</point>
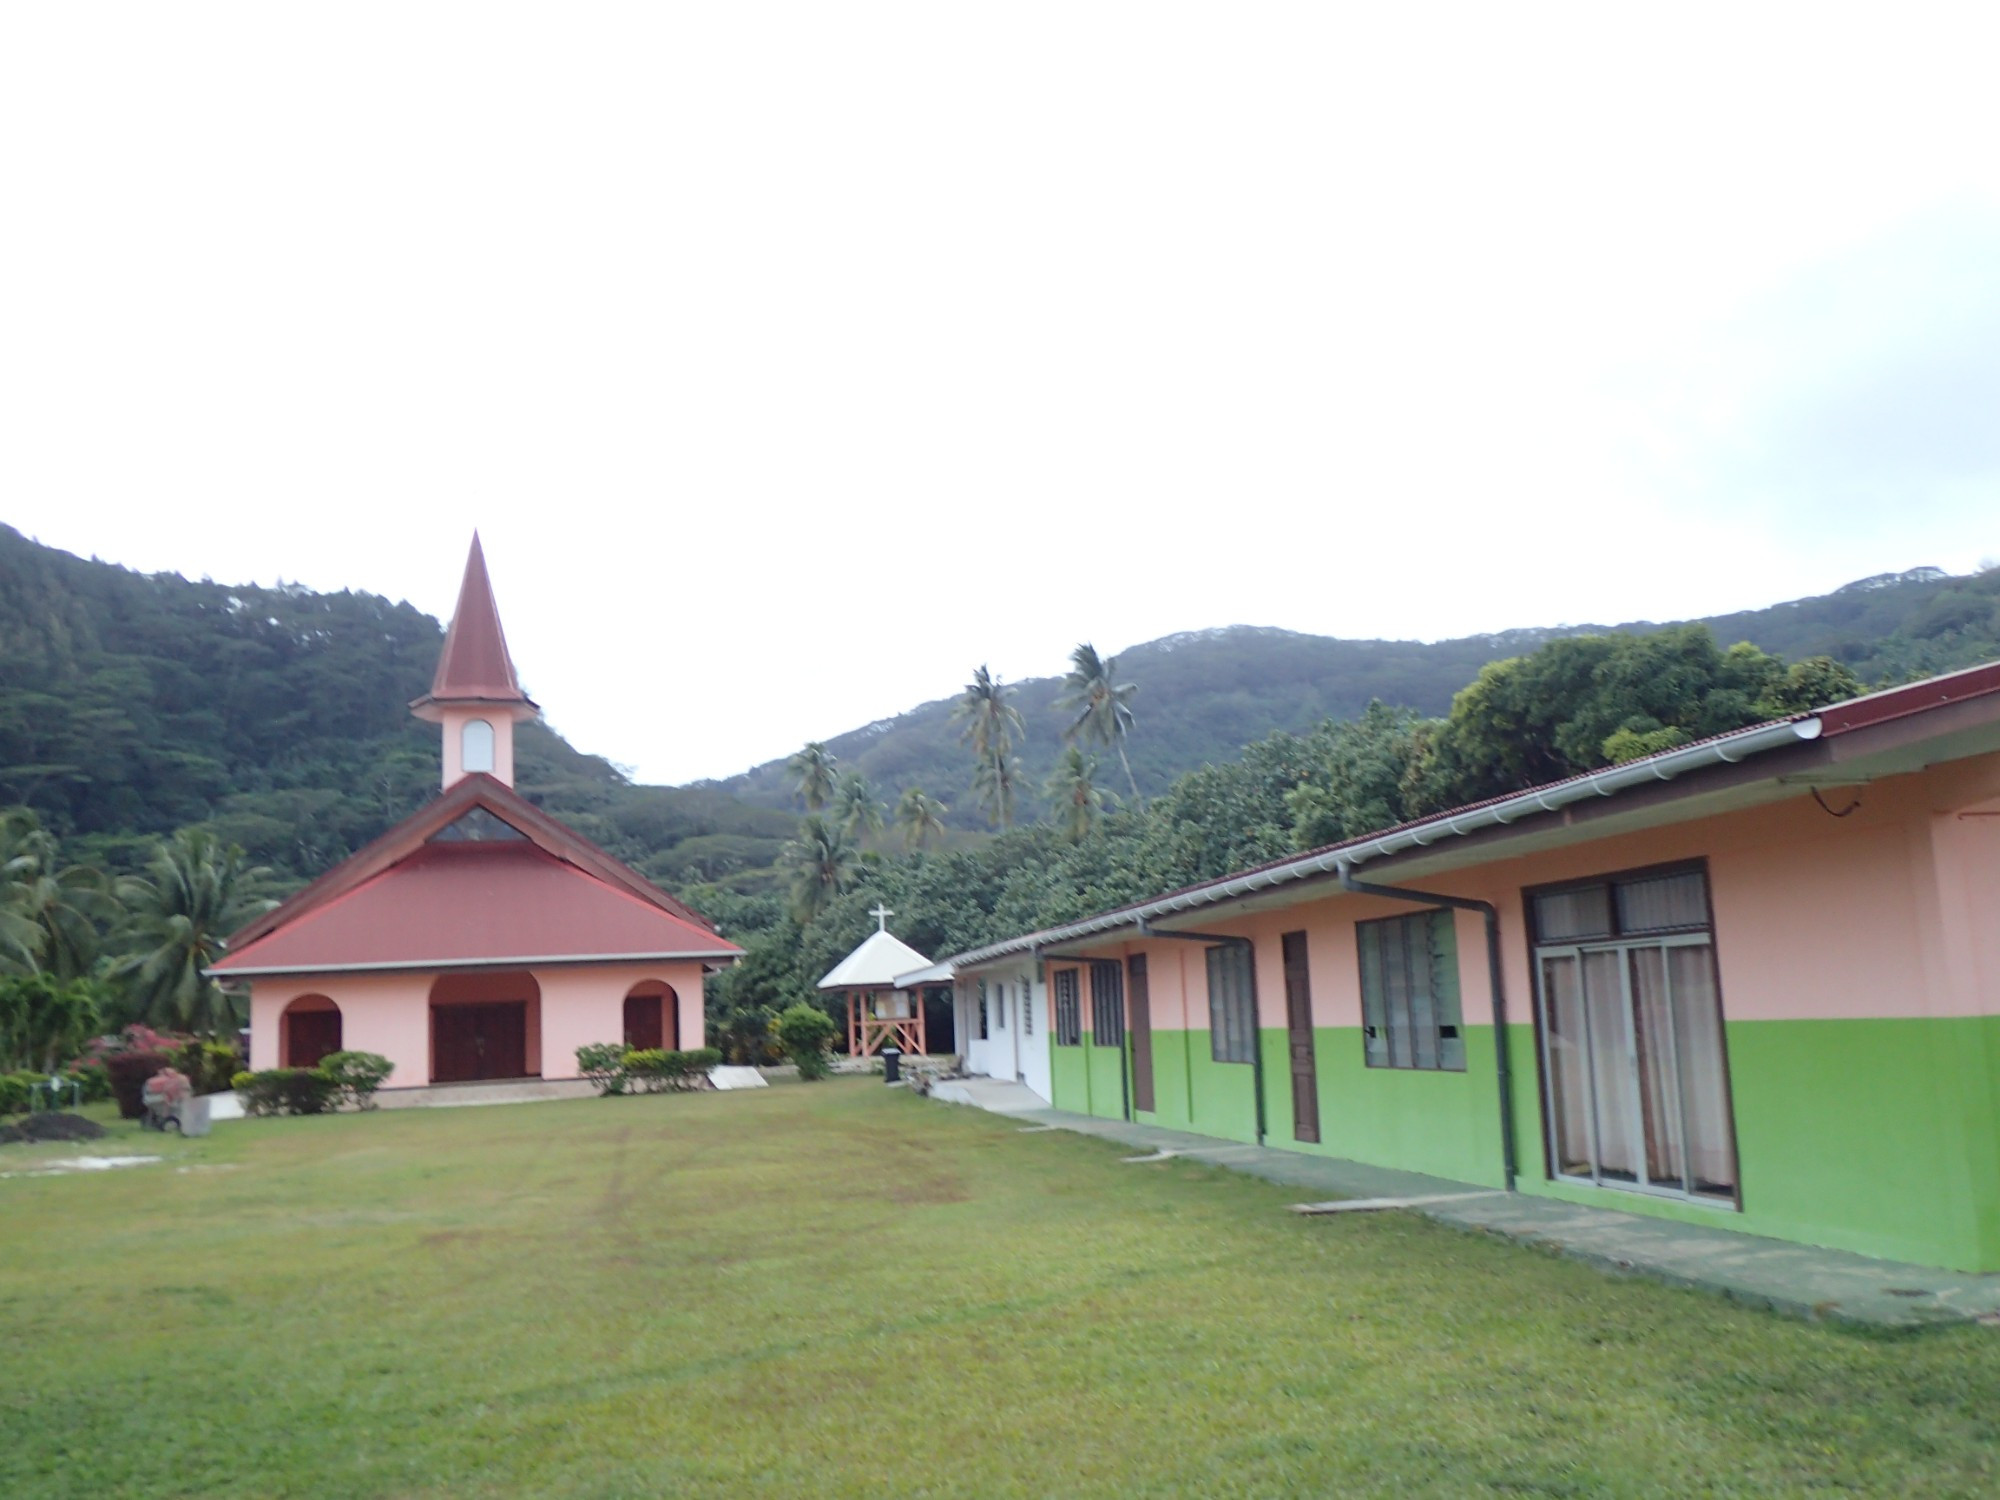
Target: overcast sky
<point>793,361</point>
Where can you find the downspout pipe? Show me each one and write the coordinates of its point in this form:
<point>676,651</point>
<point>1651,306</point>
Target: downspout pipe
<point>1503,1073</point>
<point>1226,940</point>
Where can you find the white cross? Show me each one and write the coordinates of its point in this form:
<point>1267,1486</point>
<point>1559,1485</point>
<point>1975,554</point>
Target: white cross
<point>881,914</point>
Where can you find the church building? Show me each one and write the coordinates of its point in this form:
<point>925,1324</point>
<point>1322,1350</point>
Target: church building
<point>479,938</point>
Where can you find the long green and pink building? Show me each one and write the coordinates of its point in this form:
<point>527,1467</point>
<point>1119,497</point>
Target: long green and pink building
<point>1752,982</point>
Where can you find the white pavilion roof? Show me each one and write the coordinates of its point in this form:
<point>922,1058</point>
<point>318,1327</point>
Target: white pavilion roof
<point>875,964</point>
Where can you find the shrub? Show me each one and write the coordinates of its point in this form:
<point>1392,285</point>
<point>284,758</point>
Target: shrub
<point>95,1081</point>
<point>603,1063</point>
<point>288,1091</point>
<point>357,1075</point>
<point>209,1065</point>
<point>128,1072</point>
<point>804,1032</point>
<point>17,1092</point>
<point>652,1070</point>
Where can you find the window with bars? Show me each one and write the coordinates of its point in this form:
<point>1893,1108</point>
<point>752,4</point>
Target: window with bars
<point>1107,1002</point>
<point>1028,1007</point>
<point>1069,1008</point>
<point>1409,992</point>
<point>1232,1004</point>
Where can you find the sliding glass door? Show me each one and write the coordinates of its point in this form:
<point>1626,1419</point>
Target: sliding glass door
<point>1633,1065</point>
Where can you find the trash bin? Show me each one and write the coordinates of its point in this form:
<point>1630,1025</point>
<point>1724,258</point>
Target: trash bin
<point>892,1065</point>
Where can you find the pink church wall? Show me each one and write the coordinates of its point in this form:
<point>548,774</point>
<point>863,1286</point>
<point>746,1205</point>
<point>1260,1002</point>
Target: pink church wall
<point>385,1013</point>
<point>390,1013</point>
<point>453,718</point>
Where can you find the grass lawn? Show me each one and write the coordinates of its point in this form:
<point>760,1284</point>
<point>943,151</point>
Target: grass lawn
<point>837,1289</point>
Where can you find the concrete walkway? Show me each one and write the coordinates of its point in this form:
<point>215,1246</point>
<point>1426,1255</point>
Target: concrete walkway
<point>506,1091</point>
<point>1800,1280</point>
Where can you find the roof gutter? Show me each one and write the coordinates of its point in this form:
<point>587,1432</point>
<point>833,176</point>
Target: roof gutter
<point>1725,750</point>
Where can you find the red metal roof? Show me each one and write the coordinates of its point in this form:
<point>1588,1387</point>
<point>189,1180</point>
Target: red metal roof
<point>474,664</point>
<point>474,903</point>
<point>1912,697</point>
<point>564,847</point>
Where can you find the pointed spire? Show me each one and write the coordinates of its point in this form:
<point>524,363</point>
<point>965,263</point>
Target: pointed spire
<point>475,665</point>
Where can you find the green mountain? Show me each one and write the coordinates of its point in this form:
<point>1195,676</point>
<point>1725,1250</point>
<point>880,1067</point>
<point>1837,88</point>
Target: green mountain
<point>134,704</point>
<point>1205,694</point>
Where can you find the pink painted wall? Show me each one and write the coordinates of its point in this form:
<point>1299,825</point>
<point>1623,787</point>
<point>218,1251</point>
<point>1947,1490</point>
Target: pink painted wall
<point>453,718</point>
<point>1891,911</point>
<point>390,1013</point>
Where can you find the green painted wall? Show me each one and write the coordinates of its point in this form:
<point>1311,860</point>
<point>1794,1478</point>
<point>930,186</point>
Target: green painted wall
<point>1069,1079</point>
<point>1880,1136</point>
<point>1107,1079</point>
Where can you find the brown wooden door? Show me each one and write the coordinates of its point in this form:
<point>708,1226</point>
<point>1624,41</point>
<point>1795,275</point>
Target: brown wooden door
<point>1299,1027</point>
<point>309,1036</point>
<point>479,1041</point>
<point>644,1031</point>
<point>1139,1005</point>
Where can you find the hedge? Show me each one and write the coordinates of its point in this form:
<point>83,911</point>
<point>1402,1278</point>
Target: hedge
<point>618,1070</point>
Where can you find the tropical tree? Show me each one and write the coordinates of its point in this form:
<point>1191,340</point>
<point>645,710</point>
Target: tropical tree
<point>45,1021</point>
<point>854,806</point>
<point>1103,704</point>
<point>196,891</point>
<point>819,865</point>
<point>1074,793</point>
<point>21,860</point>
<point>996,785</point>
<point>919,817</point>
<point>991,720</point>
<point>812,770</point>
<point>990,724</point>
<point>51,916</point>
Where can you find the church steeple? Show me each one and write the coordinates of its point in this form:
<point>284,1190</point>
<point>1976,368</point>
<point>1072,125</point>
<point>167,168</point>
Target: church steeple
<point>475,694</point>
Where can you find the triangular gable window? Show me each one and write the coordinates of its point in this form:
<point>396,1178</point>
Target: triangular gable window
<point>477,826</point>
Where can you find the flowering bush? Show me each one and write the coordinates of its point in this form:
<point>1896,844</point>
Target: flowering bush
<point>128,1072</point>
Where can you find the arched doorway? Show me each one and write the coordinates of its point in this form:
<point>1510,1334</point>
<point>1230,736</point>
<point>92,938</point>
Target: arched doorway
<point>652,1017</point>
<point>308,1029</point>
<point>486,1025</point>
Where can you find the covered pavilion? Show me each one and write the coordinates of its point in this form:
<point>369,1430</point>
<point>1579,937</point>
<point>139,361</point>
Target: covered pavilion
<point>881,1012</point>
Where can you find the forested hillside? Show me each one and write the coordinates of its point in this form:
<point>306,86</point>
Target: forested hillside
<point>133,705</point>
<point>1205,694</point>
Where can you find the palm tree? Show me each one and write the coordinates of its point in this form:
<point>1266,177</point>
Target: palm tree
<point>995,785</point>
<point>991,720</point>
<point>991,723</point>
<point>918,816</point>
<point>854,806</point>
<point>820,863</point>
<point>812,774</point>
<point>196,892</point>
<point>49,917</point>
<point>1103,705</point>
<point>1075,794</point>
<point>21,859</point>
